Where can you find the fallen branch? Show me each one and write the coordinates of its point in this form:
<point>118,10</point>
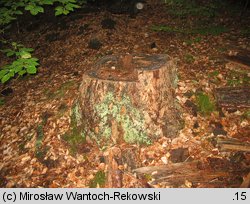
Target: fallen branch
<point>233,145</point>
<point>195,173</point>
<point>233,97</point>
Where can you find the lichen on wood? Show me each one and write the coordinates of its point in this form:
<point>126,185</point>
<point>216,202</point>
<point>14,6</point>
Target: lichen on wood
<point>121,113</point>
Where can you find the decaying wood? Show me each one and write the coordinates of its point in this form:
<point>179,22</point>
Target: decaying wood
<point>242,134</point>
<point>127,62</point>
<point>233,97</point>
<point>131,157</point>
<point>241,57</point>
<point>115,175</point>
<point>246,181</point>
<point>233,145</point>
<point>175,175</point>
<point>129,98</point>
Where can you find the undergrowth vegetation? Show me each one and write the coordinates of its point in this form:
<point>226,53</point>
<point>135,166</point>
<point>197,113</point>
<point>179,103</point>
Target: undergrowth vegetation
<point>22,60</point>
<point>201,17</point>
<point>211,30</point>
<point>11,9</point>
<point>184,8</point>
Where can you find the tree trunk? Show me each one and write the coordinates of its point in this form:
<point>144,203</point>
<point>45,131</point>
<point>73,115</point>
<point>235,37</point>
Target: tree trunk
<point>129,99</point>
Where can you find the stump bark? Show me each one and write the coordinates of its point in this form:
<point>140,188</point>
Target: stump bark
<point>129,99</point>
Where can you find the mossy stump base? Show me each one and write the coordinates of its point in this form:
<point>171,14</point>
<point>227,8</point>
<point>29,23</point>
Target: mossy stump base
<point>129,99</point>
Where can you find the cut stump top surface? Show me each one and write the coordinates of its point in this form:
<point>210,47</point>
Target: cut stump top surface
<point>126,67</point>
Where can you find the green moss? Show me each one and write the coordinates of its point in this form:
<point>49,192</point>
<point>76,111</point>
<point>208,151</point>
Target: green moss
<point>1,101</point>
<point>74,139</point>
<point>132,122</point>
<point>213,77</point>
<point>237,78</point>
<point>213,74</point>
<point>211,30</point>
<point>246,114</point>
<point>40,135</point>
<point>59,93</point>
<point>99,179</point>
<point>40,152</point>
<point>193,41</point>
<point>189,58</point>
<point>75,136</point>
<point>62,109</point>
<point>245,31</point>
<point>222,49</point>
<point>204,103</point>
<point>186,8</point>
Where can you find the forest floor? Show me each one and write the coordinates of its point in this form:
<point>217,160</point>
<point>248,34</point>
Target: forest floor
<point>35,115</point>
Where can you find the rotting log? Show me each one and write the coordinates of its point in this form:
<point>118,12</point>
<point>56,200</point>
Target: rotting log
<point>129,99</point>
<point>227,144</point>
<point>241,57</point>
<point>195,173</point>
<point>233,97</point>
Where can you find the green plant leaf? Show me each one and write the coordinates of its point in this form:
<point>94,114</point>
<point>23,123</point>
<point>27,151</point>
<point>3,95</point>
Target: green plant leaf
<point>29,7</point>
<point>32,61</point>
<point>3,72</point>
<point>18,69</point>
<point>25,55</point>
<point>26,49</point>
<point>17,63</point>
<point>59,10</point>
<point>31,69</point>
<point>22,72</point>
<point>47,2</point>
<point>11,53</point>
<point>36,10</point>
<point>11,72</point>
<point>65,12</point>
<point>71,6</point>
<point>18,12</point>
<point>8,52</point>
<point>5,78</point>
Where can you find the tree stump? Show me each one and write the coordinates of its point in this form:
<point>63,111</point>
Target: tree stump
<point>129,99</point>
